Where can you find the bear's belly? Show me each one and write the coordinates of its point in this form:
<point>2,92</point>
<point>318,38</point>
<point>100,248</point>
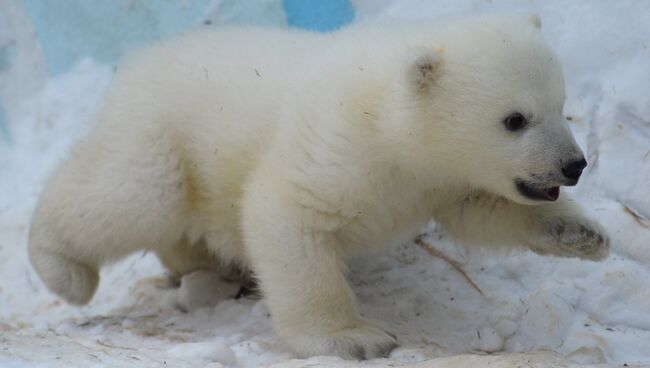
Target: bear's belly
<point>221,234</point>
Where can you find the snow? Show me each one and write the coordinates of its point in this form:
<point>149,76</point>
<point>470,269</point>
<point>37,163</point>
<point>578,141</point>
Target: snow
<point>552,311</point>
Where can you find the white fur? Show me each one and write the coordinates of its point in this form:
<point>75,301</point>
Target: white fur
<point>284,152</point>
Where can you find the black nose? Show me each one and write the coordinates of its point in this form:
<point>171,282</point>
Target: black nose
<point>573,169</point>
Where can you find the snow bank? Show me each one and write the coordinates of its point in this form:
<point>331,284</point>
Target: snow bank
<point>557,312</point>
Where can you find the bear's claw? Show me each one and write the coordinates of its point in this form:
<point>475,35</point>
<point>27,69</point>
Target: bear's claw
<point>362,342</point>
<point>574,237</point>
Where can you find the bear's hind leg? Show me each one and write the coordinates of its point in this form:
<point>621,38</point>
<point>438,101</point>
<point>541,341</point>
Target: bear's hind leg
<point>100,206</point>
<point>71,279</point>
<point>201,277</point>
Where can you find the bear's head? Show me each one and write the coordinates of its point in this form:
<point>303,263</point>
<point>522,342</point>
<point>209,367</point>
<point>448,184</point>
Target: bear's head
<point>489,100</point>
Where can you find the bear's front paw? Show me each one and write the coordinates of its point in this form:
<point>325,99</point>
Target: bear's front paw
<point>573,237</point>
<point>363,341</point>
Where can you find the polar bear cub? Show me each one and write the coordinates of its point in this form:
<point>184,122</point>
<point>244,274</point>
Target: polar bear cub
<point>280,153</point>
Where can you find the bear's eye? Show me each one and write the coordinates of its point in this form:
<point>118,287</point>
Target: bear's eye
<point>515,121</point>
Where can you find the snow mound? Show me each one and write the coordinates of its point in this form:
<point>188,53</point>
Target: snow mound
<point>525,310</point>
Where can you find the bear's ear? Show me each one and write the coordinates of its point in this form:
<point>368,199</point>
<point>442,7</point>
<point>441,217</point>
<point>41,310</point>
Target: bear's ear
<point>535,21</point>
<point>424,69</point>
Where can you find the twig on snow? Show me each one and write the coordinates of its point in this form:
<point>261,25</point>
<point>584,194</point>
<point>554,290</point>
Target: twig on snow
<point>419,240</point>
<point>639,218</point>
<point>102,343</point>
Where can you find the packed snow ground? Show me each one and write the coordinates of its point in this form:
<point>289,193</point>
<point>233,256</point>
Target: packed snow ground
<point>563,310</point>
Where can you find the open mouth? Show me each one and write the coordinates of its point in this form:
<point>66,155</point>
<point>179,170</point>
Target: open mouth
<point>540,194</point>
